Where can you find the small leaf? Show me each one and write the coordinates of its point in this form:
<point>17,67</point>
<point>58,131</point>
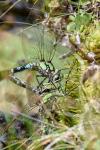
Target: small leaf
<point>82,19</point>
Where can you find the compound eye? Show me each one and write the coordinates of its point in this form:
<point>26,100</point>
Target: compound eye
<point>56,78</point>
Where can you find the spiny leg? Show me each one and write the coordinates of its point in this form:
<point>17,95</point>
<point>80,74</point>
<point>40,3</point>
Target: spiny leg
<point>60,88</point>
<point>60,85</point>
<point>54,85</point>
<point>49,81</point>
<point>40,84</point>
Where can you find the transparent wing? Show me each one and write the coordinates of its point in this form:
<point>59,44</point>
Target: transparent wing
<point>10,50</point>
<point>37,43</point>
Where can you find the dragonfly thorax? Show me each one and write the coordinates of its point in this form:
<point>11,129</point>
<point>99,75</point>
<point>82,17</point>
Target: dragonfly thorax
<point>47,69</point>
<point>47,66</point>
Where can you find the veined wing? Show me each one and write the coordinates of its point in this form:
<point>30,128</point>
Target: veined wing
<point>39,44</point>
<point>10,50</point>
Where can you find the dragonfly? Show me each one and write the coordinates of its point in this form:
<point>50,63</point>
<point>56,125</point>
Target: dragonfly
<point>41,54</point>
<point>42,51</point>
<point>42,58</point>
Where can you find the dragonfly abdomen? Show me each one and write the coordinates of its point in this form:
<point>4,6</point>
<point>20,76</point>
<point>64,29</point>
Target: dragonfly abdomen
<point>29,66</point>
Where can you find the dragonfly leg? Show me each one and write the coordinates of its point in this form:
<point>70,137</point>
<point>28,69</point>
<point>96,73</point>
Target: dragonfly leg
<point>60,88</point>
<point>54,85</point>
<point>40,84</point>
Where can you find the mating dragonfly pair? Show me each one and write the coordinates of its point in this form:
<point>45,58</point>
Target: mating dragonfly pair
<point>40,46</point>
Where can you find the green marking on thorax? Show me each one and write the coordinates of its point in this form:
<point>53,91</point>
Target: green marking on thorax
<point>45,65</point>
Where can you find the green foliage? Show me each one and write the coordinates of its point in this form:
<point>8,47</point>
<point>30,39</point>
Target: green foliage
<point>60,121</point>
<point>79,22</point>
